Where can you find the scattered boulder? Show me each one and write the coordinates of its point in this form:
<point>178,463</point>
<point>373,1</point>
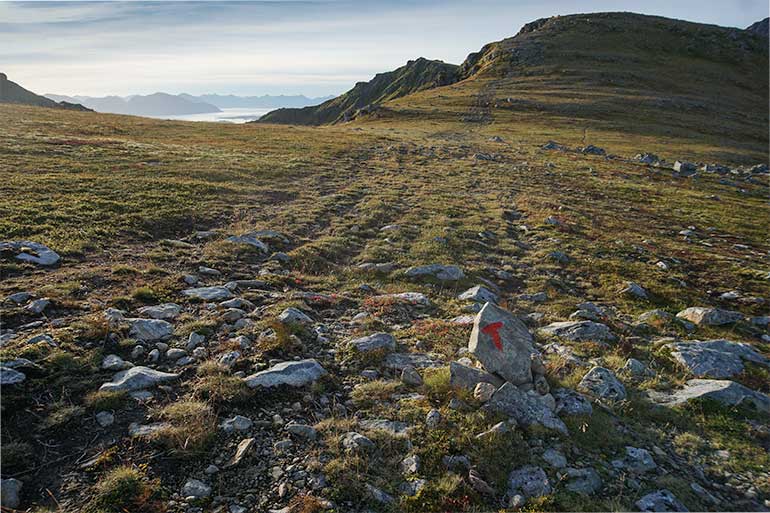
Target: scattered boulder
<point>726,392</point>
<point>466,377</point>
<point>585,481</point>
<point>249,240</point>
<point>32,252</point>
<point>149,330</point>
<point>715,358</point>
<point>294,316</point>
<point>636,460</point>
<point>165,311</point>
<point>529,481</point>
<point>635,290</point>
<point>137,378</point>
<point>528,408</point>
<point>295,374</point>
<point>708,316</point>
<point>355,442</point>
<point>479,294</point>
<point>209,293</point>
<point>436,271</point>
<point>196,489</point>
<point>374,342</point>
<point>569,402</point>
<point>579,331</point>
<point>503,344</point>
<point>661,500</point>
<point>602,384</point>
<point>113,362</point>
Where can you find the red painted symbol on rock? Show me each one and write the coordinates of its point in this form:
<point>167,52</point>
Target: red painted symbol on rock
<point>493,331</point>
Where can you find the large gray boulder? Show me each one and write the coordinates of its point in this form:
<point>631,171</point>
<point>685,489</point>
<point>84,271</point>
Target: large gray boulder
<point>250,240</point>
<point>585,481</point>
<point>32,252</point>
<point>436,271</point>
<point>602,384</point>
<point>715,358</point>
<point>579,331</point>
<point>165,311</point>
<point>137,378</point>
<point>528,408</point>
<point>661,500</point>
<point>726,392</point>
<point>503,344</point>
<point>384,341</point>
<point>707,316</point>
<point>529,481</point>
<point>465,377</point>
<point>149,330</point>
<point>417,299</point>
<point>295,374</point>
<point>478,294</point>
<point>209,293</point>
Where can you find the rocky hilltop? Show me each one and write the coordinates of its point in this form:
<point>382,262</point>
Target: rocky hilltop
<point>542,287</point>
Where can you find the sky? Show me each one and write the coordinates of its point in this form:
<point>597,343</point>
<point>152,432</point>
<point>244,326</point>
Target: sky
<point>314,48</point>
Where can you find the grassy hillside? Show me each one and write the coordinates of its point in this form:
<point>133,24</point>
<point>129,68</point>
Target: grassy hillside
<point>414,76</point>
<point>450,175</point>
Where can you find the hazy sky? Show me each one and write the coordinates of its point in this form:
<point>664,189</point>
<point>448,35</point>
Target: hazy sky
<point>292,47</point>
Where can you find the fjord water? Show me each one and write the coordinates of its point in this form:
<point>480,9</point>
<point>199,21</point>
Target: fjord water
<point>234,115</point>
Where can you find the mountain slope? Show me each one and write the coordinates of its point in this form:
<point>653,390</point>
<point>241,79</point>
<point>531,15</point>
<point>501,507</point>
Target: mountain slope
<point>11,92</point>
<point>761,27</point>
<point>414,76</point>
<point>644,75</point>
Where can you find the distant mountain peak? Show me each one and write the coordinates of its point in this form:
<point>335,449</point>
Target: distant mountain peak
<point>761,27</point>
<point>11,92</point>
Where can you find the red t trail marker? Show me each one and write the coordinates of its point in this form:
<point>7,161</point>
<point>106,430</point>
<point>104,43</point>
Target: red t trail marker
<point>493,331</point>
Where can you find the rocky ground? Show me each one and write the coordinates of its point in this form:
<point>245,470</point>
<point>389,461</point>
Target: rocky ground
<point>446,321</point>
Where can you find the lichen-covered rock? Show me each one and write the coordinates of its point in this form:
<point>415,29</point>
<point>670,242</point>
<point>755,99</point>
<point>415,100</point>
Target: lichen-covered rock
<point>149,330</point>
<point>479,294</point>
<point>528,408</point>
<point>579,331</point>
<point>707,316</point>
<point>715,358</point>
<point>295,374</point>
<point>436,271</point>
<point>726,392</point>
<point>32,252</point>
<point>503,344</point>
<point>209,293</point>
<point>529,481</point>
<point>661,500</point>
<point>466,377</point>
<point>137,378</point>
<point>374,342</point>
<point>602,383</point>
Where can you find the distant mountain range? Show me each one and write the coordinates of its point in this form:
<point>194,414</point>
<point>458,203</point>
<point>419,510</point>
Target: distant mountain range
<point>11,92</point>
<point>163,104</point>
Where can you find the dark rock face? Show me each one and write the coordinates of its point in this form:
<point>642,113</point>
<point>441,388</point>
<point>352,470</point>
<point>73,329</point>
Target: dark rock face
<point>760,27</point>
